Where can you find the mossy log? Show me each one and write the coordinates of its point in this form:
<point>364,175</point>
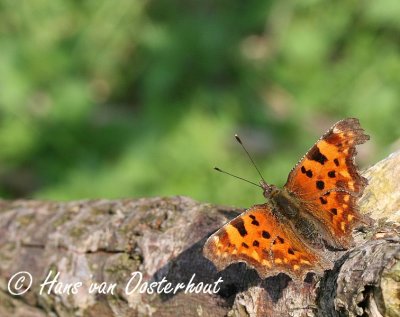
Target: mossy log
<point>106,240</point>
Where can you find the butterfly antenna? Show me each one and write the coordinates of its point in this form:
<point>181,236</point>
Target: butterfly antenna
<point>251,159</point>
<point>243,179</point>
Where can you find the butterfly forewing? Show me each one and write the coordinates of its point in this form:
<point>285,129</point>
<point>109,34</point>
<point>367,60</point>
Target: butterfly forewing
<point>257,238</point>
<point>326,181</point>
<point>329,164</point>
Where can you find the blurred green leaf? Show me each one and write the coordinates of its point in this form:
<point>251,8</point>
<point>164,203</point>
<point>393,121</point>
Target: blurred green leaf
<point>130,99</point>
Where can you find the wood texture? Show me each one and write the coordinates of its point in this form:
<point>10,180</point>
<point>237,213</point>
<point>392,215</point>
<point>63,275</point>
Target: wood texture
<point>105,241</point>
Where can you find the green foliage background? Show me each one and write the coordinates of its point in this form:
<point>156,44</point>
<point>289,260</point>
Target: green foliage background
<point>142,98</point>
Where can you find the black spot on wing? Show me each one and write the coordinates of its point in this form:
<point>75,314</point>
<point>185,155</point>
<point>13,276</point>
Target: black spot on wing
<point>332,174</point>
<point>307,172</point>
<point>316,155</point>
<point>323,200</point>
<point>320,185</point>
<point>266,235</point>
<point>256,243</point>
<point>254,220</point>
<point>278,240</point>
<point>244,245</point>
<point>336,161</point>
<point>239,225</point>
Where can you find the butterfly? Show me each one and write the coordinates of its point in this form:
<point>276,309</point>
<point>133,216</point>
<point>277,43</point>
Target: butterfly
<point>300,225</point>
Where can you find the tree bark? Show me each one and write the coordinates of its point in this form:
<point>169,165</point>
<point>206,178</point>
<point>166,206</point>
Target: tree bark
<point>106,240</point>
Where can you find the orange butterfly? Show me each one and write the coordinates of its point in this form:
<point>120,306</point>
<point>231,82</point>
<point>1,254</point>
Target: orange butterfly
<point>316,210</point>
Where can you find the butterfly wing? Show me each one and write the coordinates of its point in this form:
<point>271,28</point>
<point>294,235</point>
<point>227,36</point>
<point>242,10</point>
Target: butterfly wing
<point>326,180</point>
<point>259,239</point>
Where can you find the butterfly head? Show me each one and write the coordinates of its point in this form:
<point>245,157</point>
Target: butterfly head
<point>268,190</point>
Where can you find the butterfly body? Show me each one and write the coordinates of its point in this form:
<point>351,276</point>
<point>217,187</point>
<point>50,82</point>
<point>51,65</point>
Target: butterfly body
<point>315,212</point>
<point>287,209</point>
<point>283,203</point>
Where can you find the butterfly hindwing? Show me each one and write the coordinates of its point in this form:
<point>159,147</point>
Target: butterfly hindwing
<point>338,212</point>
